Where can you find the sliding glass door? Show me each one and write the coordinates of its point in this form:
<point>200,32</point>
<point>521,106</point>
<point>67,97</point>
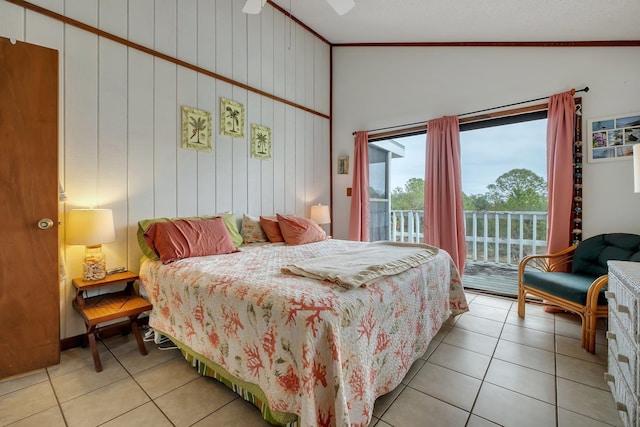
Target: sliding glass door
<point>396,189</point>
<point>379,203</point>
<point>505,197</point>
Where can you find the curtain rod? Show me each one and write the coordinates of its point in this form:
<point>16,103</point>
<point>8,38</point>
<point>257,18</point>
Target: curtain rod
<point>586,89</point>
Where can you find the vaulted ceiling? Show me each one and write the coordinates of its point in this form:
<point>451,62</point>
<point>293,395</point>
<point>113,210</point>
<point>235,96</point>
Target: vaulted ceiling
<point>400,21</point>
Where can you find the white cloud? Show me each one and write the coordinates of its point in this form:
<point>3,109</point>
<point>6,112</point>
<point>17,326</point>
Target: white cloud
<point>486,154</point>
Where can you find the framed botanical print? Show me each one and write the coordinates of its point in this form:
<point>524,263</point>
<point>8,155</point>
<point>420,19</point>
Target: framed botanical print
<point>343,165</point>
<point>612,138</point>
<point>260,142</point>
<point>231,118</point>
<point>196,129</point>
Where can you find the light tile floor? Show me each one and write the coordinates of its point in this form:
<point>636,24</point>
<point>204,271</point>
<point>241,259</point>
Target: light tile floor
<point>486,367</point>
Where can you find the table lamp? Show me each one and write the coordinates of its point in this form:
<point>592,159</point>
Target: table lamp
<point>91,227</point>
<point>320,214</point>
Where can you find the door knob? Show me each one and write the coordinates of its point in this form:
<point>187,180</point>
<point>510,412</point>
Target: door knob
<point>45,223</point>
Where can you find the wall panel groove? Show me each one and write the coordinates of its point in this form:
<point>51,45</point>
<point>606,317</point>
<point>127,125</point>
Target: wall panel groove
<point>126,73</point>
<point>141,46</point>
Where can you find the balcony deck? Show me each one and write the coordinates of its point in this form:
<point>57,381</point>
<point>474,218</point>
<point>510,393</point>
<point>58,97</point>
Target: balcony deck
<point>496,241</point>
<point>498,279</point>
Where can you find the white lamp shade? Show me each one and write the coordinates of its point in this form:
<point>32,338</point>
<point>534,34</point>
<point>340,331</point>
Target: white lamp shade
<point>636,168</point>
<point>320,214</point>
<point>90,227</point>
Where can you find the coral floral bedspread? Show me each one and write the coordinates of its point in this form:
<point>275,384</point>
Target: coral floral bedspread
<point>315,349</point>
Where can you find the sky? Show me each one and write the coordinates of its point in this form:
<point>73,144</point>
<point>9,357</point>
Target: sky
<point>486,154</point>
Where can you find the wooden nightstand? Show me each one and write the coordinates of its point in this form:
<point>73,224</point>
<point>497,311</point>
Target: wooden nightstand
<point>111,306</point>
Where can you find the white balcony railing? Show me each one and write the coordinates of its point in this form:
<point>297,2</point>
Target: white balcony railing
<point>500,237</point>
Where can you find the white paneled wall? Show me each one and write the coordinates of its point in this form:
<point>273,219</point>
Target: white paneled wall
<point>120,113</point>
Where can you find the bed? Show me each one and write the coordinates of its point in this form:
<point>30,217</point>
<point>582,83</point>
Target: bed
<point>306,352</point>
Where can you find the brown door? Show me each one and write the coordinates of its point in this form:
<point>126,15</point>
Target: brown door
<point>29,284</point>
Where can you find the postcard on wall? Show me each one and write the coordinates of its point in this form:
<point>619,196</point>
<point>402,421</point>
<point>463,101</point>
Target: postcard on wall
<point>231,118</point>
<point>613,138</point>
<point>196,129</point>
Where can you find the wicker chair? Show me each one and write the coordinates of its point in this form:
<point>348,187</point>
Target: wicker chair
<point>575,278</point>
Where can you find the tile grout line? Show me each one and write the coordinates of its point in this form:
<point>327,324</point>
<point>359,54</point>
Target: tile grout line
<point>562,340</point>
<point>64,418</point>
<point>152,400</point>
<point>475,400</point>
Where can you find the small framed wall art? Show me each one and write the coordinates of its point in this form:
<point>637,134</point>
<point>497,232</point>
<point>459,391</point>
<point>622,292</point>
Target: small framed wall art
<point>613,138</point>
<point>260,142</point>
<point>196,129</point>
<point>231,118</point>
<point>343,165</point>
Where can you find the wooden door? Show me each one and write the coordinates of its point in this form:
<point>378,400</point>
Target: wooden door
<point>29,284</point>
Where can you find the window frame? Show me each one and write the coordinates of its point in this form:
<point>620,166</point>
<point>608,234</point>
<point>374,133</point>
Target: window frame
<point>508,116</point>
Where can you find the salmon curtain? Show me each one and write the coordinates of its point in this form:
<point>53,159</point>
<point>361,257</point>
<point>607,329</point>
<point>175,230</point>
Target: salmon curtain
<point>560,135</point>
<point>359,216</point>
<point>443,208</point>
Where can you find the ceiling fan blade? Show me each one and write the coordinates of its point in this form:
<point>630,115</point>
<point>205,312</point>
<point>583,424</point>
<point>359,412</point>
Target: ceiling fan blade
<point>253,6</point>
<point>341,6</point>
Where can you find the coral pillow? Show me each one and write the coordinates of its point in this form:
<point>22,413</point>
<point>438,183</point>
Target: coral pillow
<point>143,226</point>
<point>271,228</point>
<point>182,238</point>
<point>251,230</point>
<point>298,231</point>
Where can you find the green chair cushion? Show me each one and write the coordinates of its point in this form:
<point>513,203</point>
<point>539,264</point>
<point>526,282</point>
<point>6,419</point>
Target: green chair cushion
<point>591,256</point>
<point>572,287</point>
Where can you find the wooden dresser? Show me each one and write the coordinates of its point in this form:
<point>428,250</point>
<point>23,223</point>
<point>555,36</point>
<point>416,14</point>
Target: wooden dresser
<point>623,374</point>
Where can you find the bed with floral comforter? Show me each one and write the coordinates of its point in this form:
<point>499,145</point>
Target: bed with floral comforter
<point>312,349</point>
